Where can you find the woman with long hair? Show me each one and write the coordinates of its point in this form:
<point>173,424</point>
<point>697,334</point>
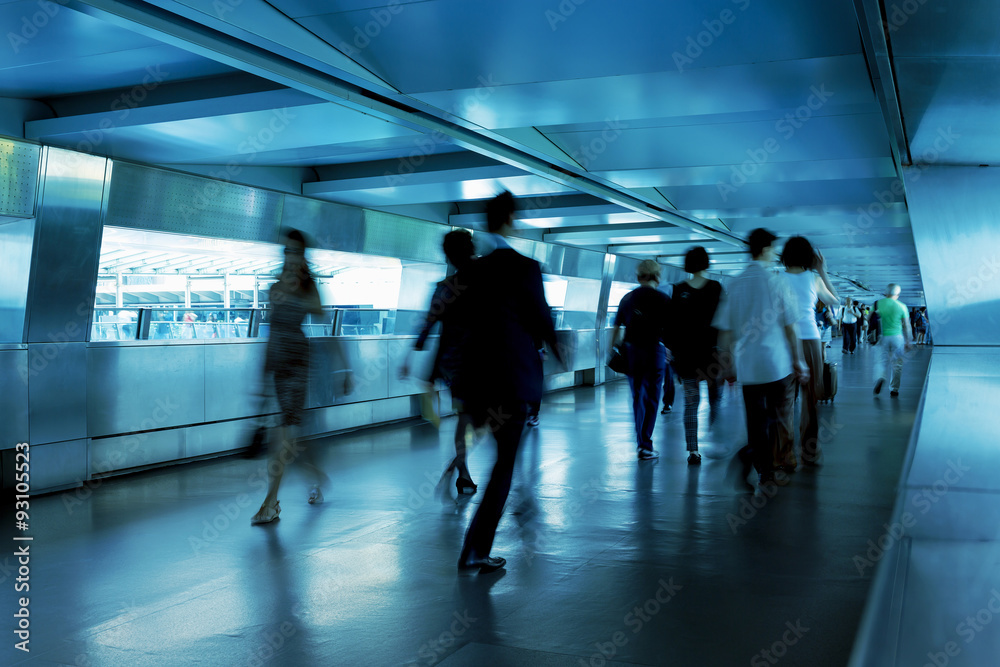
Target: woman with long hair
<point>805,271</point>
<point>287,362</point>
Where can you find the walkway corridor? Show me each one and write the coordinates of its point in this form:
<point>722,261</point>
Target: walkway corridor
<point>610,561</point>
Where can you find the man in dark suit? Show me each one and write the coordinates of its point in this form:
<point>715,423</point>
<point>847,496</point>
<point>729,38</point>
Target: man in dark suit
<point>501,370</point>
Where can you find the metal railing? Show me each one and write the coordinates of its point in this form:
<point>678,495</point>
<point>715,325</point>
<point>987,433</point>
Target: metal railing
<point>176,323</point>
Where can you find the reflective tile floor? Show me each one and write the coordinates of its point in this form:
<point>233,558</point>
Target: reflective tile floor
<point>610,561</point>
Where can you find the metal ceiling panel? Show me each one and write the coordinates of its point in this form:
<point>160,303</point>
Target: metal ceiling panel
<point>949,108</point>
<point>849,225</point>
<point>820,138</point>
<point>844,192</point>
<point>812,170</point>
<point>423,193</point>
<point>944,29</point>
<point>147,66</point>
<point>244,138</point>
<point>57,51</point>
<point>762,89</point>
<point>459,41</point>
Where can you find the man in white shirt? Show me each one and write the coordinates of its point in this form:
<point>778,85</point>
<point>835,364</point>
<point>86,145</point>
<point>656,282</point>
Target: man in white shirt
<point>756,323</point>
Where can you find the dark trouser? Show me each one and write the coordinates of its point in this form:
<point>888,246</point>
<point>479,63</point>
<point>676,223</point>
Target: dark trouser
<point>507,423</point>
<point>850,336</point>
<point>811,391</point>
<point>769,412</point>
<point>669,389</point>
<point>692,398</point>
<point>646,381</point>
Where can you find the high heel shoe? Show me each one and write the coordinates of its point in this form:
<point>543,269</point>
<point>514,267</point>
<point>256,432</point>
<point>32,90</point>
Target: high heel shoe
<point>465,486</point>
<point>266,514</point>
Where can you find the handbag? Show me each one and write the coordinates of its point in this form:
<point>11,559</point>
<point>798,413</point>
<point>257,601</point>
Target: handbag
<point>618,363</point>
<point>258,439</point>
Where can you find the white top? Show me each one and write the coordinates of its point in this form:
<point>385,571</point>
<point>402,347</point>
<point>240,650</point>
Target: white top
<point>756,308</point>
<point>850,314</point>
<point>803,286</point>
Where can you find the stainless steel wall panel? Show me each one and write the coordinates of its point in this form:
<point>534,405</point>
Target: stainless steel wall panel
<point>67,247</point>
<point>16,244</point>
<point>389,235</point>
<point>329,226</point>
<point>955,216</point>
<point>624,270</point>
<point>147,198</point>
<point>559,260</point>
<point>234,380</point>
<point>14,406</point>
<point>366,357</point>
<point>391,409</point>
<point>208,439</point>
<point>18,178</point>
<point>336,418</point>
<point>144,387</point>
<point>585,349</point>
<point>58,465</point>
<point>559,381</point>
<point>606,345</point>
<point>603,351</point>
<point>57,392</point>
<point>139,450</point>
<point>420,366</point>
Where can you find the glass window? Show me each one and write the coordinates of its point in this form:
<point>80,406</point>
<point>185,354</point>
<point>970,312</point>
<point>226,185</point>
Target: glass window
<point>197,287</point>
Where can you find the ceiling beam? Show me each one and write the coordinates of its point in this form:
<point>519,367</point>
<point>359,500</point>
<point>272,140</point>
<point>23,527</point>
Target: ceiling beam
<point>368,98</point>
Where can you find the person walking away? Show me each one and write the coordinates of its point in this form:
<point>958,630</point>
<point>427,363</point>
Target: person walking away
<point>862,325</point>
<point>644,313</point>
<point>446,305</point>
<point>286,362</point>
<point>848,325</point>
<point>694,343</point>
<point>805,272</point>
<point>756,323</point>
<point>874,326</point>
<point>920,326</point>
<point>895,340</point>
<point>500,370</point>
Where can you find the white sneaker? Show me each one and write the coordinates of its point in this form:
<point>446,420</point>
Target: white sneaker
<point>315,496</point>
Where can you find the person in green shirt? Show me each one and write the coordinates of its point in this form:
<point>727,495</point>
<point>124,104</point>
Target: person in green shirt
<point>895,340</point>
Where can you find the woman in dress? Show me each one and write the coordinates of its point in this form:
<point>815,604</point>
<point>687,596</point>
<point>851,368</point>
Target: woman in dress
<point>287,361</point>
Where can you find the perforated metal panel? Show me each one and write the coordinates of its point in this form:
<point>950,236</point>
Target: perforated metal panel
<point>389,235</point>
<point>18,178</point>
<point>154,199</point>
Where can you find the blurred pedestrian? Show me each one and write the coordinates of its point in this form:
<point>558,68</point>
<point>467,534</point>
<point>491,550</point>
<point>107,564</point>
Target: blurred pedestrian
<point>286,363</point>
<point>446,308</point>
<point>644,313</point>
<point>895,341</point>
<point>500,371</point>
<point>694,343</point>
<point>756,323</point>
<point>805,273</point>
